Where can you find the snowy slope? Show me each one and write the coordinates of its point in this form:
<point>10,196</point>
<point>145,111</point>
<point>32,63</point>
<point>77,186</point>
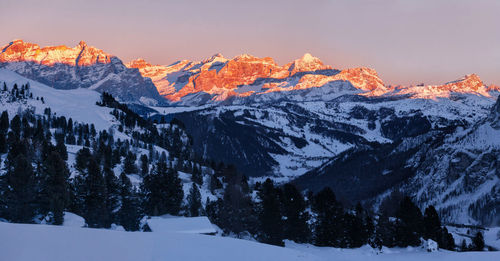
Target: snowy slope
<point>52,243</point>
<point>22,242</point>
<point>79,104</point>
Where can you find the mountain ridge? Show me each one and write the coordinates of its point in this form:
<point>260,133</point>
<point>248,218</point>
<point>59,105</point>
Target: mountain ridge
<point>243,78</point>
<point>82,66</point>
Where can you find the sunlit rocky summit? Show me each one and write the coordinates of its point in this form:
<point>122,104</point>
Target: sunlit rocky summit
<point>82,66</point>
<point>242,79</point>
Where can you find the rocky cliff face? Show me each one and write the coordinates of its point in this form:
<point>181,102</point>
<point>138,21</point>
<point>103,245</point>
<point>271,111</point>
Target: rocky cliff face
<point>82,66</point>
<point>218,78</point>
<point>246,78</point>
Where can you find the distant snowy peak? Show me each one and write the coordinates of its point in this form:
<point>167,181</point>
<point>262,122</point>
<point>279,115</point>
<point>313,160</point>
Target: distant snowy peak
<point>82,66</point>
<point>469,84</point>
<point>80,55</point>
<point>307,63</point>
<point>218,78</point>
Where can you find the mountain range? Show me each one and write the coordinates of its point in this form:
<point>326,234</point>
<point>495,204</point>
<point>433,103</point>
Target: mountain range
<point>307,122</point>
<point>214,80</point>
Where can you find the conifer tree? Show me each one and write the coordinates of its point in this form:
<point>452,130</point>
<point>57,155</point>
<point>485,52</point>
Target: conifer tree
<point>162,190</point>
<point>295,226</point>
<point>144,164</point>
<point>197,177</point>
<point>55,187</point>
<point>21,193</point>
<point>112,195</point>
<point>194,201</point>
<point>271,226</point>
<point>3,144</point>
<point>463,246</point>
<point>328,225</point>
<point>129,166</point>
<point>478,242</point>
<point>409,227</point>
<point>95,211</point>
<point>4,123</point>
<point>129,214</point>
<point>15,126</point>
<point>61,147</point>
<point>432,225</point>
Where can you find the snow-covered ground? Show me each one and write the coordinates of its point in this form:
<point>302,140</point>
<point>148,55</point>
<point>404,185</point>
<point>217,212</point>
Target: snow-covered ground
<point>23,242</point>
<point>19,242</point>
<point>79,104</point>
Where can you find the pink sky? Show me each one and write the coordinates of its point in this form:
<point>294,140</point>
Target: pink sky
<point>406,41</point>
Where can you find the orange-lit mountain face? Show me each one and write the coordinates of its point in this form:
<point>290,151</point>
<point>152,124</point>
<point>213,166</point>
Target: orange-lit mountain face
<point>82,66</point>
<point>211,80</point>
<point>80,55</point>
<point>246,75</point>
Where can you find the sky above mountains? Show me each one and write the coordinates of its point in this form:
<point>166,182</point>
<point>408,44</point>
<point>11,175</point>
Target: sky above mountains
<point>407,42</point>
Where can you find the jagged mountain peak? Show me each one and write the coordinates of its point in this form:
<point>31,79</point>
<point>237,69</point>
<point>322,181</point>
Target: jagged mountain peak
<point>81,54</point>
<point>307,63</point>
<point>82,66</point>
<point>138,63</point>
<point>82,44</point>
<point>218,57</point>
<point>470,82</point>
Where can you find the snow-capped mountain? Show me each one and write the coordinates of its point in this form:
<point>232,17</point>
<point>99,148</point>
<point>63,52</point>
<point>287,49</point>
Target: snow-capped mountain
<point>246,77</point>
<point>82,66</point>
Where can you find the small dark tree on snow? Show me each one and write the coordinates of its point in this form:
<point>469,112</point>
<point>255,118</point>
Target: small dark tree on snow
<point>271,226</point>
<point>464,247</point>
<point>82,158</point>
<point>144,165</point>
<point>294,209</point>
<point>197,177</point>
<point>129,166</point>
<point>434,231</point>
<point>4,123</point>
<point>432,225</point>
<point>112,195</point>
<point>478,242</point>
<point>55,187</point>
<point>409,226</point>
<point>15,126</point>
<point>128,215</point>
<point>95,211</point>
<point>21,193</point>
<point>194,201</point>
<point>328,225</point>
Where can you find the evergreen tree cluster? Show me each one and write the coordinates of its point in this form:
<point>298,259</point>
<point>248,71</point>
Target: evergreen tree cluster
<point>277,213</point>
<point>37,186</point>
<point>18,93</point>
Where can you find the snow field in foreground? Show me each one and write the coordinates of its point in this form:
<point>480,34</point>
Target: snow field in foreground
<point>23,242</point>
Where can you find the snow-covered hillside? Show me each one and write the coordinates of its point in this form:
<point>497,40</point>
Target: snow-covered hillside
<point>285,139</point>
<point>22,242</point>
<point>79,104</point>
